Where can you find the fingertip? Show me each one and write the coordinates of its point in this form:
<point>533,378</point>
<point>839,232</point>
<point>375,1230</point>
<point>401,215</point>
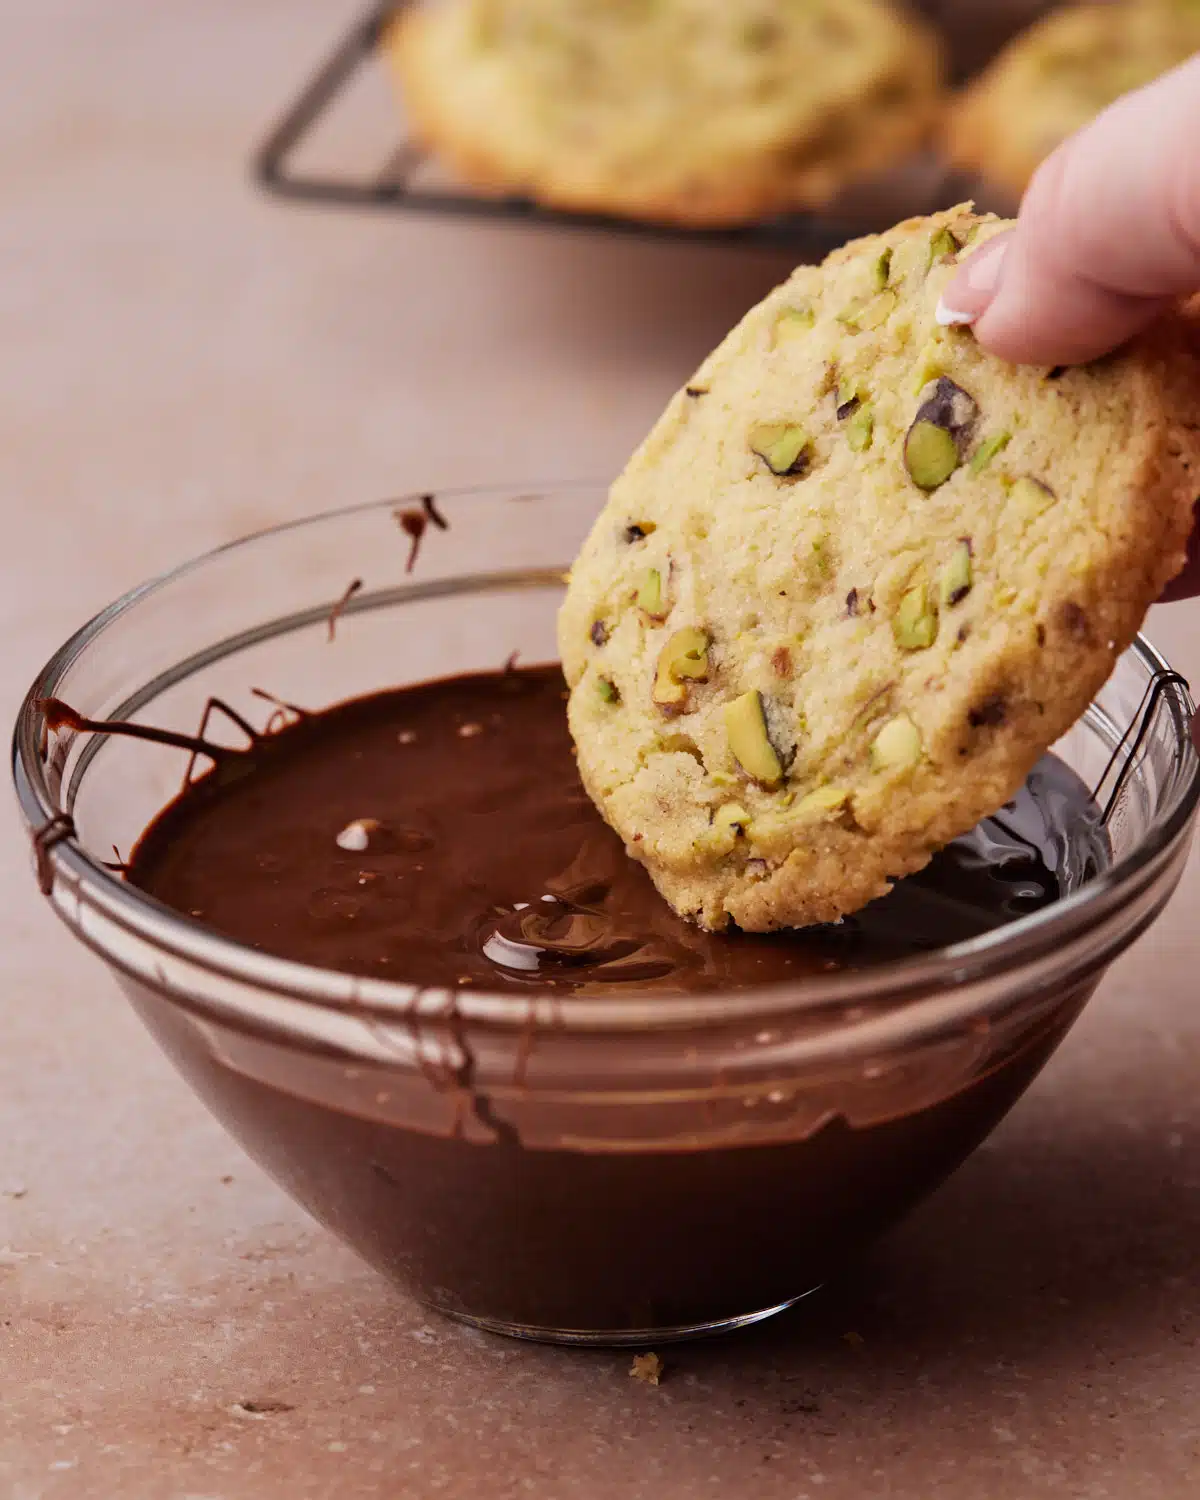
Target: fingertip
<point>1071,324</point>
<point>969,293</point>
<point>952,317</point>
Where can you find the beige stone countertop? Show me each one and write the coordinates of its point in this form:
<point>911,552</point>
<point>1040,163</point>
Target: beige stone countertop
<point>183,360</point>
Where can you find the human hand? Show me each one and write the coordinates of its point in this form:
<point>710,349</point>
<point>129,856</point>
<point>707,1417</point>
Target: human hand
<point>1108,236</point>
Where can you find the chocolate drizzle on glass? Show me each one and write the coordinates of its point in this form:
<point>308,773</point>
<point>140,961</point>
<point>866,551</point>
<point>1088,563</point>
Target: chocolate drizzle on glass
<point>339,608</point>
<point>415,522</point>
<point>60,715</point>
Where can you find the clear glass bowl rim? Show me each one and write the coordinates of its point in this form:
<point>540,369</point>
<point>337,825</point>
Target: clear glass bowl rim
<point>1004,950</point>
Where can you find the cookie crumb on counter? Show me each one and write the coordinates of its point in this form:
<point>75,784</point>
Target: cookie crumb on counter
<point>648,1368</point>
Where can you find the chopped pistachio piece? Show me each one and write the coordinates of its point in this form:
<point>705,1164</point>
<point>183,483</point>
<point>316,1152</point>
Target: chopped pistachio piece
<point>687,653</point>
<point>989,449</point>
<point>825,801</point>
<point>684,658</point>
<point>942,245</point>
<point>607,690</point>
<point>782,446</point>
<point>915,624</point>
<point>930,455</point>
<point>793,323</point>
<point>729,823</point>
<point>848,399</point>
<point>732,816</point>
<point>746,727</point>
<point>947,404</point>
<point>954,582</point>
<point>882,269</point>
<point>869,312</point>
<point>599,632</point>
<point>941,430</point>
<point>898,744</point>
<point>681,744</point>
<point>860,429</point>
<point>1030,496</point>
<point>650,595</point>
<point>929,369</point>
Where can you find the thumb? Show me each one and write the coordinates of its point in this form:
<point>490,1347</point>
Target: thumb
<point>1108,233</point>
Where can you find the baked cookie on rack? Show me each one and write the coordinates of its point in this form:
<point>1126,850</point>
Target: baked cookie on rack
<point>689,112</point>
<point>1055,77</point>
<point>859,577</point>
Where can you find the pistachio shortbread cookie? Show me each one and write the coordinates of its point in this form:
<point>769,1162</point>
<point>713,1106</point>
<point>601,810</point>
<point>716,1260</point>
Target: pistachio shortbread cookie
<point>858,578</point>
<point>1055,77</point>
<point>699,112</point>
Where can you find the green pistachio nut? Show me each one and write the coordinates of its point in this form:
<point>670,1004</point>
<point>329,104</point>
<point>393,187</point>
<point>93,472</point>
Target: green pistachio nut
<point>955,579</point>
<point>825,802</point>
<point>683,659</point>
<point>897,746</point>
<point>942,246</point>
<point>940,433</point>
<point>860,429</point>
<point>651,596</point>
<point>865,313</point>
<point>989,449</point>
<point>1030,497</point>
<point>915,624</point>
<point>793,323</point>
<point>746,728</point>
<point>783,446</point>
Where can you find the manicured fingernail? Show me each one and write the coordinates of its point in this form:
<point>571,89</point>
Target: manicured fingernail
<point>948,317</point>
<point>971,291</point>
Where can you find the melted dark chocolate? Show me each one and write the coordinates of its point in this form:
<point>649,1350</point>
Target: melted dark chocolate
<point>484,863</point>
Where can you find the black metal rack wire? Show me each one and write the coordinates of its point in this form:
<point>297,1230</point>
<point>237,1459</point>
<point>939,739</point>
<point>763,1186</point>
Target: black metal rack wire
<point>396,184</point>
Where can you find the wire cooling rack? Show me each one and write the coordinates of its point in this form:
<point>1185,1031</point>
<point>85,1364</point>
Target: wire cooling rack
<point>404,178</point>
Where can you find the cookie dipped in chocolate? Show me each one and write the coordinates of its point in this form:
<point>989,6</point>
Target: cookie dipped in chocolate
<point>439,835</point>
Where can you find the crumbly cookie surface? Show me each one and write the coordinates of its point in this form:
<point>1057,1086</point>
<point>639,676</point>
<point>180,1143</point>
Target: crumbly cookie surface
<point>859,577</point>
<point>1055,77</point>
<point>698,112</point>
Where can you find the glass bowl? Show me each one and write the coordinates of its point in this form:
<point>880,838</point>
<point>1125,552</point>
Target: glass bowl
<point>577,1169</point>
